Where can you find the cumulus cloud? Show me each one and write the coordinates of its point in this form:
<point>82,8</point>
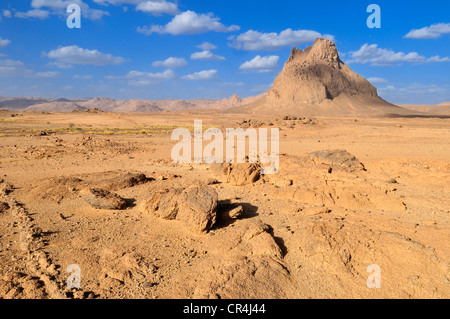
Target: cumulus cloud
<point>7,13</point>
<point>59,7</point>
<point>206,46</point>
<point>437,58</point>
<point>118,2</point>
<point>376,80</point>
<point>171,63</point>
<point>202,75</point>
<point>35,13</point>
<point>189,22</point>
<point>206,55</point>
<point>372,54</point>
<point>73,54</point>
<point>138,78</point>
<point>432,32</point>
<point>4,42</point>
<point>258,41</point>
<point>261,64</point>
<point>158,7</point>
<point>13,68</point>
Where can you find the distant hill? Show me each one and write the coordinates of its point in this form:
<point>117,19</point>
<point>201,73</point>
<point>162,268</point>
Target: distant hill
<point>125,106</point>
<point>439,109</point>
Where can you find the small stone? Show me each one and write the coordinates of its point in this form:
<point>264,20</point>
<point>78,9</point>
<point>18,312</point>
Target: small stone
<point>4,207</point>
<point>234,213</point>
<point>103,199</point>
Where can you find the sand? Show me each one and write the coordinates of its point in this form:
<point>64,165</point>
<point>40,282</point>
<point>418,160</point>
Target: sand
<point>309,231</point>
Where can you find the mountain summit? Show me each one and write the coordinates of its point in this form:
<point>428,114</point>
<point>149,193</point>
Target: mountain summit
<point>317,74</point>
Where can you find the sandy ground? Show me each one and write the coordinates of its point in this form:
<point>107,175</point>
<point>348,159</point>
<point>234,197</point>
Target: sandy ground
<point>310,231</point>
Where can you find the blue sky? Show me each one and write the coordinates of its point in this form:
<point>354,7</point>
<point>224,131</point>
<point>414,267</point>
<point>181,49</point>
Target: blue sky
<point>189,49</point>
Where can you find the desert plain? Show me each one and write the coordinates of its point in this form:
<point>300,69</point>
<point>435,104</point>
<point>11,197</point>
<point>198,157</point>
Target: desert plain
<point>350,192</point>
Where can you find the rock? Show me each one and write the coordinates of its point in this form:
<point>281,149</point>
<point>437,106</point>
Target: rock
<point>212,181</point>
<point>280,181</point>
<point>4,207</point>
<point>234,213</point>
<point>336,159</point>
<point>6,188</point>
<point>316,210</point>
<point>197,208</point>
<point>162,203</point>
<point>392,181</point>
<point>123,181</point>
<point>244,174</point>
<point>102,199</point>
<point>220,169</point>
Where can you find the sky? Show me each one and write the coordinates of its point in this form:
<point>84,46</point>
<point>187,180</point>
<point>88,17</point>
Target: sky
<point>187,49</point>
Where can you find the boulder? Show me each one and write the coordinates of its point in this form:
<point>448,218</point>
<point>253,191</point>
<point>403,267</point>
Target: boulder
<point>197,208</point>
<point>162,203</point>
<point>244,174</point>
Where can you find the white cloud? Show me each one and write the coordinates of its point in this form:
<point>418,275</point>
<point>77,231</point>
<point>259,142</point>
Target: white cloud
<point>166,75</point>
<point>75,55</point>
<point>138,78</point>
<point>4,42</point>
<point>189,22</point>
<point>261,64</point>
<point>432,32</point>
<point>257,41</point>
<point>35,13</point>
<point>437,58</point>
<point>202,75</point>
<point>7,14</point>
<point>59,7</point>
<point>171,63</point>
<point>158,7</point>
<point>206,55</point>
<point>12,68</point>
<point>206,46</point>
<point>117,2</point>
<point>372,54</point>
<point>376,80</point>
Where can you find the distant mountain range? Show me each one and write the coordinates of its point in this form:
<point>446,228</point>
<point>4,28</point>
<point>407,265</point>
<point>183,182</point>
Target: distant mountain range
<point>112,105</point>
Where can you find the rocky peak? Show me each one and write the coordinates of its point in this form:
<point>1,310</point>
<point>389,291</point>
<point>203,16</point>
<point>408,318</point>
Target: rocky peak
<point>317,74</point>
